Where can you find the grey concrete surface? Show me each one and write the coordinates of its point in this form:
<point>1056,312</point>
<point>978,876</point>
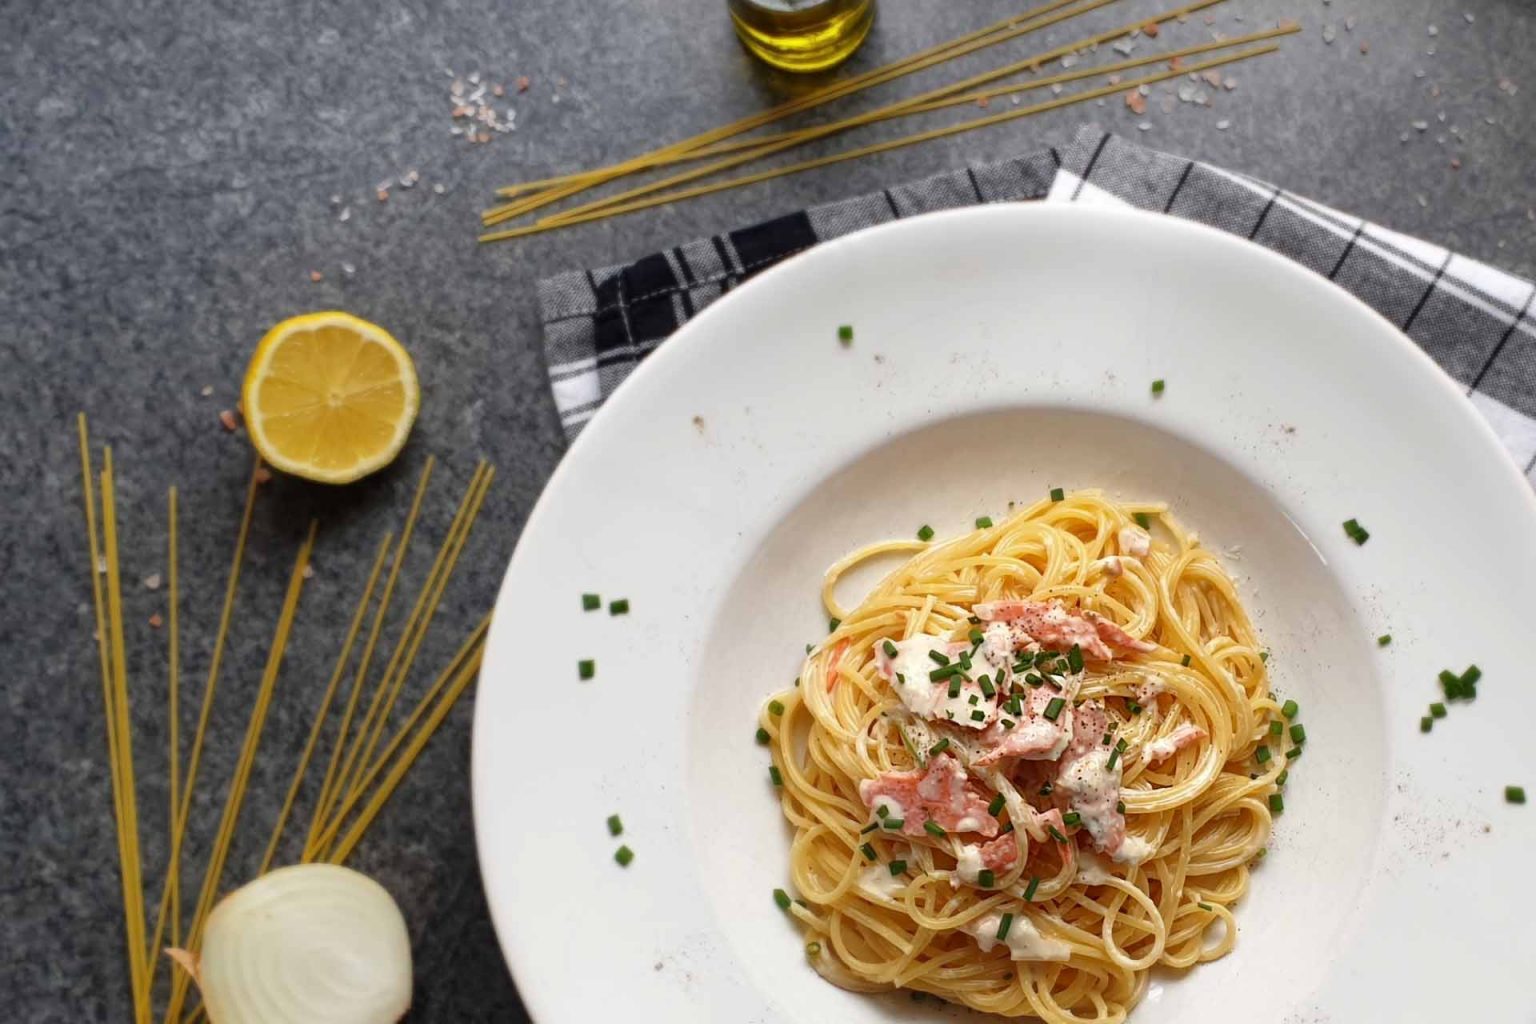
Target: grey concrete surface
<point>166,180</point>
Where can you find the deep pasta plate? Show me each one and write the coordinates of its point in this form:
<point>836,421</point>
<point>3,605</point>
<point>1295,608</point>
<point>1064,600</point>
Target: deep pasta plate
<point>998,355</point>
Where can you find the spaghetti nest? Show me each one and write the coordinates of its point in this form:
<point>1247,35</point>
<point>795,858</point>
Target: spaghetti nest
<point>1007,858</point>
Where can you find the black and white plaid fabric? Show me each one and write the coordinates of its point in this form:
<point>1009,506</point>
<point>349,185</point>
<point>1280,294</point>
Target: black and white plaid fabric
<point>1477,322</point>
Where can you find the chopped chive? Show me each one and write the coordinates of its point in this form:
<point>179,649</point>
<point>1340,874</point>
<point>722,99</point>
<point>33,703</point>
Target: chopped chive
<point>623,855</point>
<point>1514,794</point>
<point>933,828</point>
<point>954,687</point>
<point>867,829</point>
<point>1285,773</point>
<point>1046,789</point>
<point>996,806</point>
<point>882,811</point>
<point>586,668</point>
<point>1157,386</point>
<point>1008,723</point>
<point>1384,640</point>
<point>939,747</point>
<point>619,607</point>
<point>1204,906</point>
<point>781,898</point>
<point>1120,806</point>
<point>1142,520</point>
<point>965,660</point>
<point>1053,708</point>
<point>1029,890</point>
<point>775,708</point>
<point>1133,707</point>
<point>1290,708</point>
<point>773,773</point>
<point>986,686</point>
<point>974,700</point>
<point>1075,659</point>
<point>832,625</point>
<point>978,715</point>
<point>1276,803</point>
<point>939,657</point>
<point>982,522</point>
<point>938,675</point>
<point>1426,723</point>
<point>1355,531</point>
<point>975,635</point>
<point>1003,926</point>
<point>813,949</point>
<point>893,824</point>
<point>1264,657</point>
<point>591,602</point>
<point>868,851</point>
<point>986,878</point>
<point>845,333</point>
<point>1470,677</point>
<point>1005,829</point>
<point>615,826</point>
<point>762,736</point>
<point>1015,705</point>
<point>1261,755</point>
<point>1298,733</point>
<point>1071,818</point>
<point>1114,755</point>
<point>1293,753</point>
<point>1184,661</point>
<point>1057,494</point>
<point>809,648</point>
<point>1056,835</point>
<point>926,533</point>
<point>1276,727</point>
<point>1450,682</point>
<point>889,648</point>
<point>897,867</point>
<point>1437,710</point>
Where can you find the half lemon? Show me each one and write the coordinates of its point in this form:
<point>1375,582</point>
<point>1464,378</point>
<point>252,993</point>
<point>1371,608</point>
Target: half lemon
<point>329,397</point>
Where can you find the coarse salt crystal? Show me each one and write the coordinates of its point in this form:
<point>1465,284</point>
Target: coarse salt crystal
<point>348,269</point>
<point>438,188</point>
<point>345,214</point>
<point>152,581</point>
<point>1223,125</point>
<point>207,390</point>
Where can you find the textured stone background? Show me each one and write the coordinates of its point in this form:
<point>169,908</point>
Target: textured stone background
<point>166,174</point>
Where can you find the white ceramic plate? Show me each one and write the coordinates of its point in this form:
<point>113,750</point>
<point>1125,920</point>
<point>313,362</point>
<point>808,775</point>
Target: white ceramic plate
<point>1000,352</point>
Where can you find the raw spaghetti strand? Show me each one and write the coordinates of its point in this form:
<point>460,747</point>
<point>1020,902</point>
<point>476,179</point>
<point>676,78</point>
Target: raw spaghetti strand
<point>326,699</point>
<point>210,687</point>
<point>466,651</point>
<point>354,835</point>
<point>553,189</point>
<point>104,651</point>
<point>134,883</point>
<point>248,747</point>
<point>581,215</point>
<point>328,791</point>
<point>1089,912</point>
<point>173,699</point>
<point>404,653</point>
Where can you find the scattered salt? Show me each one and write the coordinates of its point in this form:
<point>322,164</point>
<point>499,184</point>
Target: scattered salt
<point>1144,126</point>
<point>438,189</point>
<point>207,390</point>
<point>152,581</point>
<point>1329,33</point>
<point>1124,47</point>
<point>1223,125</point>
<point>348,269</point>
<point>345,214</point>
<point>1433,31</point>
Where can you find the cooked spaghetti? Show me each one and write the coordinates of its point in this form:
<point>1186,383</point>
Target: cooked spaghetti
<point>1036,761</point>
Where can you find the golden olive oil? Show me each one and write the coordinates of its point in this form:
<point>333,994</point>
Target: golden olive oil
<point>802,35</point>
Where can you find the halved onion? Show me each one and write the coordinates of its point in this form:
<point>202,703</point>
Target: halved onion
<point>308,944</point>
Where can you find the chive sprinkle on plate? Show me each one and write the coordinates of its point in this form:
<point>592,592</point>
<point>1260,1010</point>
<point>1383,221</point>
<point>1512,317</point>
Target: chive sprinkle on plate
<point>1157,386</point>
<point>619,607</point>
<point>1355,531</point>
<point>586,668</point>
<point>591,602</point>
<point>845,334</point>
<point>1514,794</point>
<point>925,533</point>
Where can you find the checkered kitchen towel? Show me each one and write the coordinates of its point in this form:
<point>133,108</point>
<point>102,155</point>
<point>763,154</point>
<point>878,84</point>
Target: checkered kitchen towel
<point>1478,323</point>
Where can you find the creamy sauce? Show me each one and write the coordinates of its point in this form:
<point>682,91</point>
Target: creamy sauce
<point>1135,541</point>
<point>1094,789</point>
<point>1091,868</point>
<point>1133,850</point>
<point>909,671</point>
<point>1109,566</point>
<point>1024,940</point>
<point>968,864</point>
<point>877,880</point>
